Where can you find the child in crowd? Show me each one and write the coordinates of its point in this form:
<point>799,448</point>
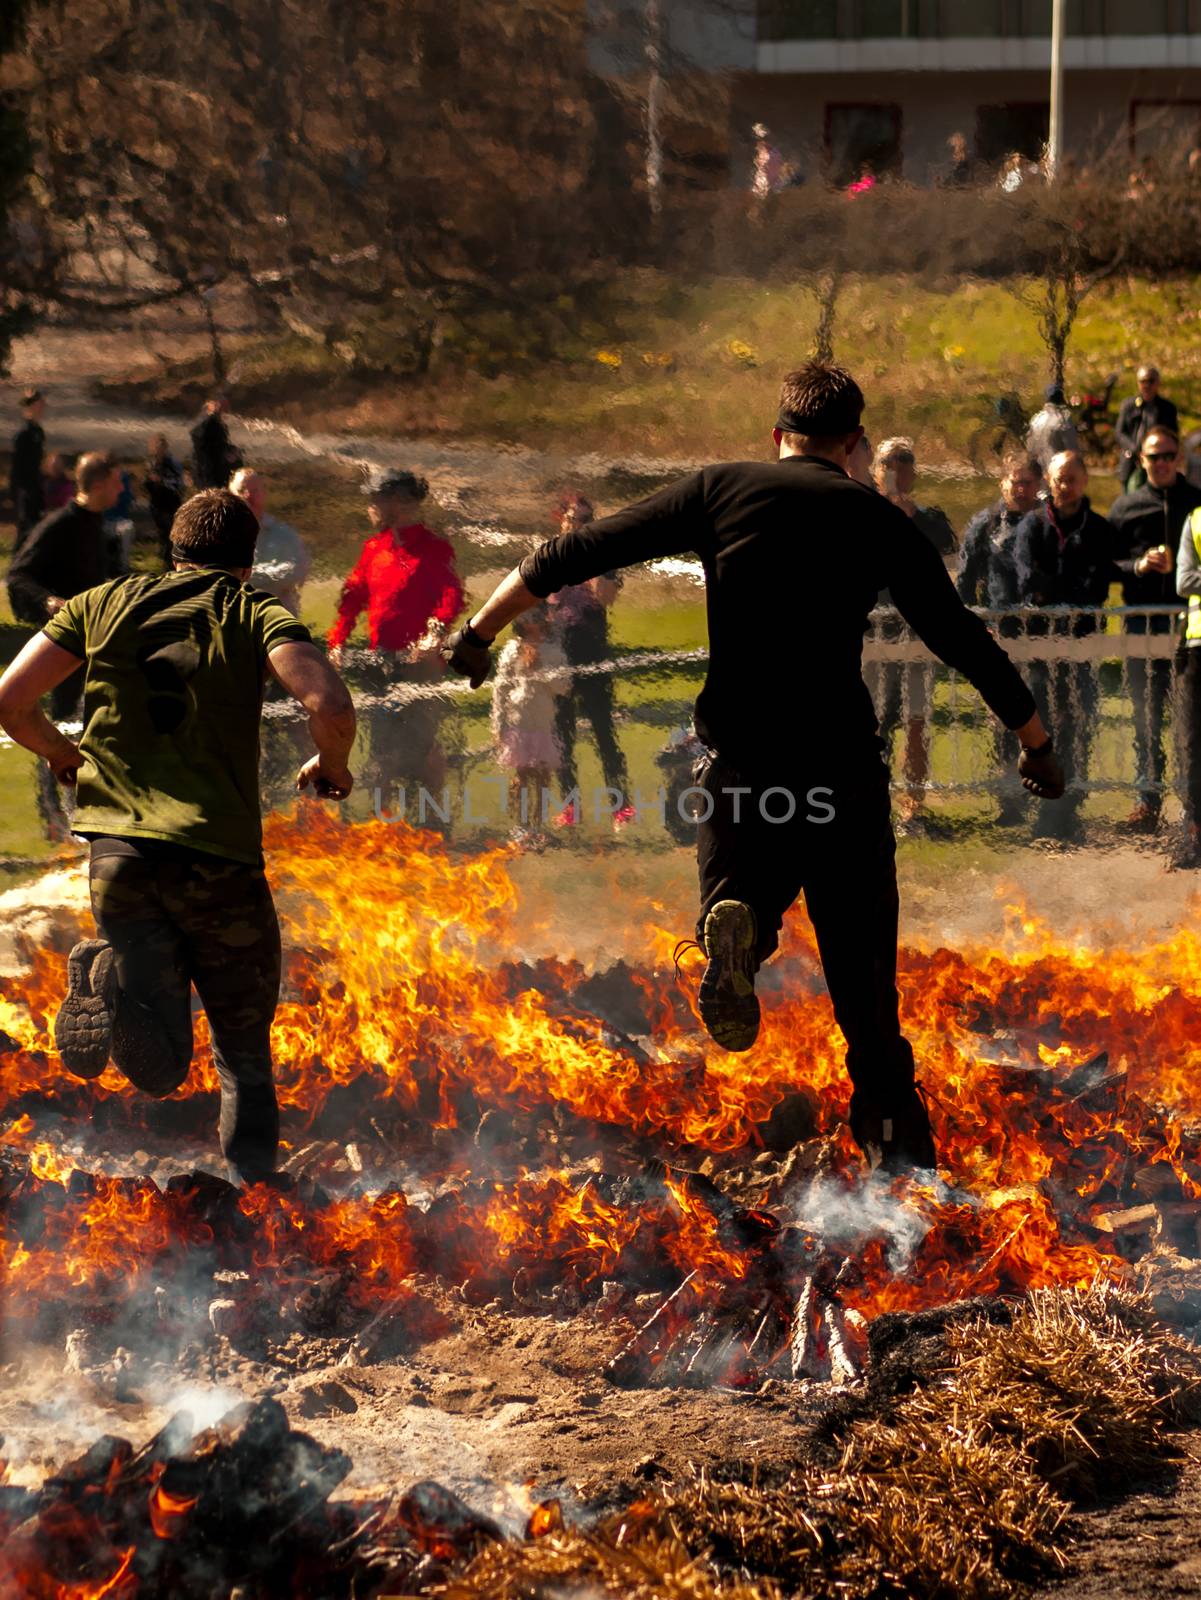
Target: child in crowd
<point>59,486</point>
<point>531,674</point>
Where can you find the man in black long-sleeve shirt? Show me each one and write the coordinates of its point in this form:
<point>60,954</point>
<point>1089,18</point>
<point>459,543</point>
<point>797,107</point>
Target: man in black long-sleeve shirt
<point>1146,527</point>
<point>25,473</point>
<point>795,553</point>
<point>214,458</point>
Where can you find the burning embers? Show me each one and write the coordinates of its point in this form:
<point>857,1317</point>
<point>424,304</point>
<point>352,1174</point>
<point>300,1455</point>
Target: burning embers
<point>538,1137</point>
<point>245,1501</point>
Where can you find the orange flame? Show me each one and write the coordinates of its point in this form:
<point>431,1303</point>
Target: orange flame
<point>168,1510</point>
<point>397,983</point>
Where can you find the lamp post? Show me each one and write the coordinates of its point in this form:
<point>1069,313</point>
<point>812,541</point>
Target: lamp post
<point>654,106</point>
<point>1055,133</point>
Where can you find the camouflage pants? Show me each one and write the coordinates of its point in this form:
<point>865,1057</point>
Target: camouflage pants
<point>176,919</point>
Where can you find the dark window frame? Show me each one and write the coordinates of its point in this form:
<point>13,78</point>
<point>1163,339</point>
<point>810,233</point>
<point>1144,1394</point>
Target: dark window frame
<point>832,106</point>
<point>1008,105</point>
<point>1160,101</point>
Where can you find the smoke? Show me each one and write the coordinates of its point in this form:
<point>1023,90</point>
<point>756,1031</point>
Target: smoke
<point>847,1212</point>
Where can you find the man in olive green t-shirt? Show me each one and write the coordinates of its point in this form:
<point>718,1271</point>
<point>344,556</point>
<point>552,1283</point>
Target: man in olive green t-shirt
<point>166,778</point>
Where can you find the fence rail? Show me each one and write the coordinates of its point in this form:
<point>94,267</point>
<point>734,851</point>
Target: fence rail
<point>1117,677</point>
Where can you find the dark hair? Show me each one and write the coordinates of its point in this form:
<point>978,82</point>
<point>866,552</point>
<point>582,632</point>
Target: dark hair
<point>382,485</point>
<point>1019,461</point>
<point>1160,432</point>
<point>31,398</point>
<point>573,500</point>
<point>820,402</point>
<point>536,617</point>
<point>215,528</point>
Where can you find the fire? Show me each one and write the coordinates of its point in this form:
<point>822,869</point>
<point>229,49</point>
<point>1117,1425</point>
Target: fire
<point>167,1511</point>
<point>1055,1075</point>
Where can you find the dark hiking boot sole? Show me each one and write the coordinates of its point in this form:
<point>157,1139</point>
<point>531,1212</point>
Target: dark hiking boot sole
<point>83,1029</point>
<point>728,1005</point>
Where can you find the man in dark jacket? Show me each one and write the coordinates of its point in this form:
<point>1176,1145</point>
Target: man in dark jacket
<point>1138,415</point>
<point>214,458</point>
<point>1146,525</point>
<point>1063,558</point>
<point>66,553</point>
<point>988,578</point>
<point>793,792</point>
<point>25,474</point>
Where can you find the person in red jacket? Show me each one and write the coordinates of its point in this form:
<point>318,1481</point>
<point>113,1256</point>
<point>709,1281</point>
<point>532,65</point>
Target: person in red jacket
<point>405,580</point>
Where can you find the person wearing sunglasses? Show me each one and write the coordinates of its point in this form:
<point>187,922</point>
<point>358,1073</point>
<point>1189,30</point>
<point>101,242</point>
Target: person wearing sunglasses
<point>1137,415</point>
<point>1146,528</point>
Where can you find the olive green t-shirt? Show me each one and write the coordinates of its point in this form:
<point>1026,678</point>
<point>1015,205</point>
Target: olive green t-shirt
<point>172,700</point>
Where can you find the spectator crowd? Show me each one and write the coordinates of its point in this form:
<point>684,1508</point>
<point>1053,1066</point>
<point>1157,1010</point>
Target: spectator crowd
<point>75,525</point>
<point>1039,559</point>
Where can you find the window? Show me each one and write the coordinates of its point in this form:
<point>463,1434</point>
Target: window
<point>1035,17</point>
<point>860,137</point>
<point>970,19</point>
<point>1021,125</point>
<point>1165,129</point>
<point>798,19</point>
<point>886,19</point>
<point>1136,17</point>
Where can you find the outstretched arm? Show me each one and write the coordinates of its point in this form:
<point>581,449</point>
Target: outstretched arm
<point>309,679</point>
<point>665,524</point>
<point>40,667</point>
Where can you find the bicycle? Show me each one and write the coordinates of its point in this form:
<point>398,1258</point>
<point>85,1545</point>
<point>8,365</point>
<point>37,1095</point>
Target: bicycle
<point>1003,431</point>
<point>1093,418</point>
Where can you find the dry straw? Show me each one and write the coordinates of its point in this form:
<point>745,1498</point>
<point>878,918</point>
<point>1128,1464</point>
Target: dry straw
<point>961,1495</point>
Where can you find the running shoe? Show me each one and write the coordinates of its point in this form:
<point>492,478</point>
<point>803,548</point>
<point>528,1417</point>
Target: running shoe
<point>83,1029</point>
<point>623,818</point>
<point>568,817</point>
<point>728,1004</point>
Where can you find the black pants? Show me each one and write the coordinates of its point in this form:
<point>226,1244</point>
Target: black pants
<point>846,868</point>
<point>28,509</point>
<point>1188,730</point>
<point>1067,697</point>
<point>175,918</point>
<point>591,696</point>
<point>1150,683</point>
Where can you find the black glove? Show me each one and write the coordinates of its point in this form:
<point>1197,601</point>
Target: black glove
<point>1041,772</point>
<point>467,654</point>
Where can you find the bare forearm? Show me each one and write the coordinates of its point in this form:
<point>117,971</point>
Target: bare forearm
<point>508,600</point>
<point>32,728</point>
<point>332,731</point>
<point>1033,734</point>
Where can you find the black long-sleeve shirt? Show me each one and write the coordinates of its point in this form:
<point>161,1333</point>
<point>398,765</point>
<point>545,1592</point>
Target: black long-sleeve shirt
<point>795,554</point>
<point>214,459</point>
<point>66,553</point>
<point>1136,418</point>
<point>1141,521</point>
<point>25,472</point>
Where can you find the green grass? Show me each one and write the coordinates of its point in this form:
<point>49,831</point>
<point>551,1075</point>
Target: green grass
<point>655,367</point>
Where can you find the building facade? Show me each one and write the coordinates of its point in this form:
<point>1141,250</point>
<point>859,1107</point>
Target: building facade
<point>845,86</point>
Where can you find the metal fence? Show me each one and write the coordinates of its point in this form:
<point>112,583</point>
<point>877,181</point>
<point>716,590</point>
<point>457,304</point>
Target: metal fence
<point>1108,672</point>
